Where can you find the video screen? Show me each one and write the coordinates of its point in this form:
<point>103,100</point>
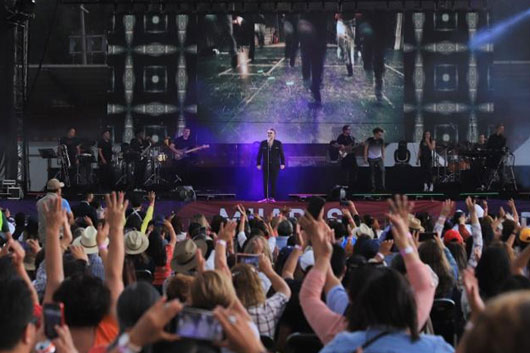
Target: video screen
<point>305,75</point>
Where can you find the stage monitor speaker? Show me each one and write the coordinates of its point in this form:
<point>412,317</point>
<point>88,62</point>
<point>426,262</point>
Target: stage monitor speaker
<point>338,193</point>
<point>185,193</point>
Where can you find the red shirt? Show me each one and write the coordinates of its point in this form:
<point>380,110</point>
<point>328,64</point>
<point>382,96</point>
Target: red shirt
<point>163,272</point>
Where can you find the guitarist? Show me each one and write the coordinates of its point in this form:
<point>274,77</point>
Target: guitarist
<point>179,145</point>
<point>346,145</point>
<point>138,146</point>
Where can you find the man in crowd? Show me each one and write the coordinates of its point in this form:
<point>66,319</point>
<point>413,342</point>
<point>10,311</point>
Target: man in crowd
<point>54,190</point>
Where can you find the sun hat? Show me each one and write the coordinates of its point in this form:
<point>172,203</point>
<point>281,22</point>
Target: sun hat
<point>87,240</point>
<point>185,256</point>
<point>135,242</point>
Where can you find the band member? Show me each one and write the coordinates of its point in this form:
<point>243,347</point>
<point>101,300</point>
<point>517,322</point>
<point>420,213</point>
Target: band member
<point>374,152</point>
<point>104,160</point>
<point>481,144</point>
<point>73,149</point>
<point>270,159</point>
<point>348,163</point>
<point>138,146</point>
<point>182,163</point>
<point>496,149</point>
<point>425,153</point>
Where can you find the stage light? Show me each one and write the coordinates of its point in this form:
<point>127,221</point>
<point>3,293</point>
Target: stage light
<point>489,35</point>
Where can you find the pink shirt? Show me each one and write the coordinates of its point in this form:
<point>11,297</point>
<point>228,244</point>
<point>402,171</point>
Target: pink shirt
<point>327,323</point>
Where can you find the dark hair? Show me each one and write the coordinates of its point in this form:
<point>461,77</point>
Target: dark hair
<point>16,311</point>
<point>376,130</point>
<point>432,255</point>
<point>508,226</point>
<point>135,200</point>
<point>492,270</point>
<point>386,299</point>
<point>7,269</point>
<point>216,222</point>
<point>20,219</point>
<point>365,246</point>
<point>340,229</point>
<point>487,231</point>
<point>86,300</point>
<point>345,127</point>
<point>338,260</point>
<point>134,302</point>
<point>285,228</point>
<point>156,249</point>
<point>176,222</point>
<point>515,282</point>
<point>459,253</point>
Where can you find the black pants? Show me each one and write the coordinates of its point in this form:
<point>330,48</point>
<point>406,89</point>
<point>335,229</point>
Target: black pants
<point>426,171</point>
<point>377,166</point>
<point>106,178</point>
<point>270,177</point>
<point>313,49</point>
<point>140,168</point>
<point>349,171</point>
<point>291,38</point>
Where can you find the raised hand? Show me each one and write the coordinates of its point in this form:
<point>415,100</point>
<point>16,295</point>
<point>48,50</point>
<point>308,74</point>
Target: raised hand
<point>265,265</point>
<point>239,336</point>
<point>470,203</point>
<point>34,246</point>
<point>116,206</point>
<point>227,231</point>
<point>88,221</point>
<point>447,208</point>
<point>103,233</point>
<point>319,233</point>
<point>150,327</point>
<point>472,291</point>
<point>64,342</point>
<point>151,196</point>
<point>17,253</point>
<point>54,213</point>
<point>351,207</point>
<point>400,209</point>
<point>78,253</point>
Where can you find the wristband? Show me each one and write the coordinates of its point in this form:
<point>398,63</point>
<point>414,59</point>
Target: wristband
<point>379,255</point>
<point>125,345</point>
<point>407,250</point>
<point>298,247</point>
<point>103,246</point>
<point>221,242</point>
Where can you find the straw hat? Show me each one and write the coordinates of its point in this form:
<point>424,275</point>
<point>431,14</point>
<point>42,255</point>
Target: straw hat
<point>185,256</point>
<point>135,242</point>
<point>87,240</point>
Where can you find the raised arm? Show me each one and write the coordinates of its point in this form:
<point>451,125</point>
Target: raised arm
<point>115,217</point>
<point>513,209</point>
<point>322,319</point>
<point>476,233</point>
<point>290,264</point>
<point>54,214</point>
<point>447,209</point>
<point>149,213</point>
<point>418,274</point>
<point>226,234</point>
<point>277,282</point>
<point>171,231</point>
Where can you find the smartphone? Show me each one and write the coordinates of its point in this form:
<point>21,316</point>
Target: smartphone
<point>198,324</point>
<point>249,259</point>
<point>315,206</point>
<point>53,315</point>
<point>427,236</point>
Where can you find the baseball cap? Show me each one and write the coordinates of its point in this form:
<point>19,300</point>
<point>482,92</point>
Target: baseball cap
<point>453,236</point>
<point>54,185</point>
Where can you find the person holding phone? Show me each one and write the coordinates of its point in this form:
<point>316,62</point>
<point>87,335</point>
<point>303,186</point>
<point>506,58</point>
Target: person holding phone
<point>271,160</point>
<point>425,153</point>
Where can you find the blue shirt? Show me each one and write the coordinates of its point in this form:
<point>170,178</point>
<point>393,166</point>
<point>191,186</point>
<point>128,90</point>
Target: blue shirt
<point>337,299</point>
<point>397,342</point>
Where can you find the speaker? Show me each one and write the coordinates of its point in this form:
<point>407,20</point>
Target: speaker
<point>184,193</point>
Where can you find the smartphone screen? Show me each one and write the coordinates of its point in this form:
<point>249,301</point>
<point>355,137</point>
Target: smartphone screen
<point>53,315</point>
<point>199,325</point>
<point>249,259</point>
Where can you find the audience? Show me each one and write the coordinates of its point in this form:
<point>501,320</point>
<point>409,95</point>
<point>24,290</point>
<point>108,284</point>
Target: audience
<point>354,284</point>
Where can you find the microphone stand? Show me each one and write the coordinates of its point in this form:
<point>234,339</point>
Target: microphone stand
<point>268,166</point>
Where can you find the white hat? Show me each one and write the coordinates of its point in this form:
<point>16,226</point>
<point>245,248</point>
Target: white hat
<point>364,229</point>
<point>136,242</point>
<point>54,185</point>
<point>87,240</point>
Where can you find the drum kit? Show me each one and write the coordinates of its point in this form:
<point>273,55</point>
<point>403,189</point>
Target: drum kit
<point>486,166</point>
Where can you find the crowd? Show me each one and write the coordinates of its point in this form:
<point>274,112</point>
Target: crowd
<point>124,279</point>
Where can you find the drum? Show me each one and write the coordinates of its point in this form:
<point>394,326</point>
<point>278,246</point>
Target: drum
<point>162,157</point>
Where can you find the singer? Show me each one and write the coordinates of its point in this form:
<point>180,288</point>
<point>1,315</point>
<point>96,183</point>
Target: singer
<point>270,159</point>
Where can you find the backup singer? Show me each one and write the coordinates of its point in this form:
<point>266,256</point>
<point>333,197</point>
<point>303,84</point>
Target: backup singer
<point>427,146</point>
<point>270,159</point>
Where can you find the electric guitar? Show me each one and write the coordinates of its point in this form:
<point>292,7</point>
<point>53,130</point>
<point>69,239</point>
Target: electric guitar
<point>180,154</point>
<point>345,150</point>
